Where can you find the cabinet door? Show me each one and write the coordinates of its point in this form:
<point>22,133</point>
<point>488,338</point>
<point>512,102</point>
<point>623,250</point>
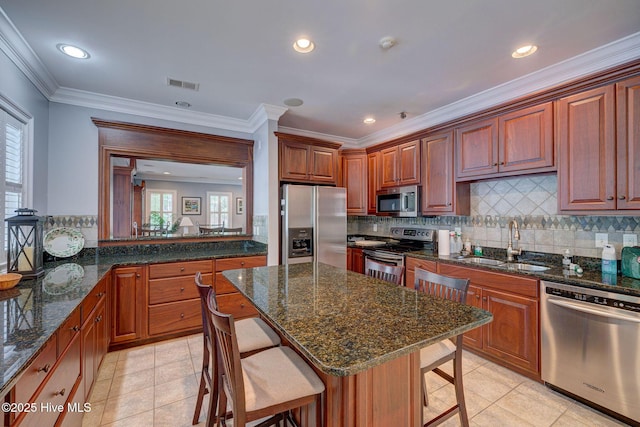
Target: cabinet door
<point>358,260</point>
<point>373,181</point>
<point>129,305</point>
<point>513,334</point>
<point>324,162</point>
<point>473,338</point>
<point>388,167</point>
<point>526,139</point>
<point>586,153</point>
<point>89,351</point>
<point>350,259</point>
<point>294,162</point>
<point>409,163</point>
<point>477,149</point>
<point>410,269</point>
<point>628,150</point>
<point>437,185</point>
<point>354,178</point>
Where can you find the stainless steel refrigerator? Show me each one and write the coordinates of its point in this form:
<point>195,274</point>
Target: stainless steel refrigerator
<point>314,225</point>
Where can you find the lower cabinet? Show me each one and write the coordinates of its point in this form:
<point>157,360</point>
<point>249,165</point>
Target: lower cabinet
<point>229,299</point>
<point>355,260</point>
<point>129,306</point>
<point>410,268</point>
<point>511,339</point>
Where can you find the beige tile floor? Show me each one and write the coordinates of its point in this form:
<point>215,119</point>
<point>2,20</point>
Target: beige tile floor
<point>156,386</point>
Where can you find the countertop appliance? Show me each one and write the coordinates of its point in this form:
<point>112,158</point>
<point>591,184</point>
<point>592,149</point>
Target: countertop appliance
<point>314,225</point>
<point>590,341</point>
<point>399,201</point>
<point>403,240</point>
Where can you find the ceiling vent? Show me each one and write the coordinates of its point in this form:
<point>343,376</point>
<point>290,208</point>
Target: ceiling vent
<point>182,84</point>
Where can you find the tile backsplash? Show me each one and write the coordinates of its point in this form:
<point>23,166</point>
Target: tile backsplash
<point>532,202</point>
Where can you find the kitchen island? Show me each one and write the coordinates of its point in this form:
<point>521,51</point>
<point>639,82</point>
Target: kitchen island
<point>361,335</point>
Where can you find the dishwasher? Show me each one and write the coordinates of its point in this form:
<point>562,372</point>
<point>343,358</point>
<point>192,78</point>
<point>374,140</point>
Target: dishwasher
<point>590,346</point>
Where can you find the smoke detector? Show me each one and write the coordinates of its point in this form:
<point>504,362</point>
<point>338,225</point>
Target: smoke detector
<point>387,42</point>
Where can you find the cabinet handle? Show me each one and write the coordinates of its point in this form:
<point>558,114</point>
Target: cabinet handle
<point>242,263</point>
<point>182,315</point>
<point>45,368</point>
<point>484,298</point>
<point>477,296</point>
<point>449,204</point>
<point>610,198</point>
<point>182,289</point>
<point>61,392</point>
<point>242,305</point>
<point>76,328</point>
<point>181,268</point>
<point>138,275</point>
<point>99,294</point>
<point>621,198</point>
<point>98,319</point>
<point>495,164</point>
<point>501,163</point>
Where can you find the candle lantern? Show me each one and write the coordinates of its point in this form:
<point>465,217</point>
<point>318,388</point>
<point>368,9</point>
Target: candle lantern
<point>25,243</point>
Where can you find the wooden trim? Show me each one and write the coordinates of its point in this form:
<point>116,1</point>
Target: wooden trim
<point>307,140</point>
<point>151,142</point>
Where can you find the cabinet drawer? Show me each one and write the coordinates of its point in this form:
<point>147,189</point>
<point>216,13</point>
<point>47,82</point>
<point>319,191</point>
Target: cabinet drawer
<point>173,269</point>
<point>36,372</point>
<point>487,279</point>
<point>57,389</point>
<point>175,289</point>
<point>91,300</point>
<point>237,305</point>
<point>424,264</point>
<point>175,316</point>
<point>241,262</point>
<point>223,286</point>
<point>68,330</point>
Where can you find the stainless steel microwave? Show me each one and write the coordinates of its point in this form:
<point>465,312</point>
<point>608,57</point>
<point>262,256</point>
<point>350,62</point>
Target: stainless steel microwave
<point>398,201</point>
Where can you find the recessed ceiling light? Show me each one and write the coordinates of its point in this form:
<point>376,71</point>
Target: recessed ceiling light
<point>387,42</point>
<point>523,51</point>
<point>183,104</point>
<point>369,120</point>
<point>73,51</point>
<point>166,173</point>
<point>293,102</point>
<point>303,45</point>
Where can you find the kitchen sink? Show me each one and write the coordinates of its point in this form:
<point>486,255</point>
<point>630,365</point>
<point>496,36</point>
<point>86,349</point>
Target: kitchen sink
<point>521,266</point>
<point>482,261</point>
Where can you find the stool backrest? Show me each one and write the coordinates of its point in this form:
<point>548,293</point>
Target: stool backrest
<point>441,286</point>
<point>386,272</point>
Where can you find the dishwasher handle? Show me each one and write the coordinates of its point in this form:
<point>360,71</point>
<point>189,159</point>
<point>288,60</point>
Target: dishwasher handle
<point>572,305</point>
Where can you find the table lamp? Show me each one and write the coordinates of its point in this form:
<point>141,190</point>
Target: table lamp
<point>185,222</point>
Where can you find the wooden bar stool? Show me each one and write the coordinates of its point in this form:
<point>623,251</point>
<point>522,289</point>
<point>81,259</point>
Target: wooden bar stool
<point>388,273</point>
<point>253,335</point>
<point>435,355</point>
<point>266,384</point>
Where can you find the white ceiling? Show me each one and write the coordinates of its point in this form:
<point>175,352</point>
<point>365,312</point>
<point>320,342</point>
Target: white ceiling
<point>240,52</point>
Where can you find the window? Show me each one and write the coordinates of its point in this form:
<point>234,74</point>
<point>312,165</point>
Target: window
<point>219,209</point>
<point>14,140</point>
<point>161,208</point>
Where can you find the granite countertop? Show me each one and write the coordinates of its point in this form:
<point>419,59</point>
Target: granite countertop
<point>345,322</point>
<point>590,278</point>
<point>35,309</point>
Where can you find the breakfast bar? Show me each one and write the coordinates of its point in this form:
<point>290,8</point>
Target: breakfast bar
<point>361,335</point>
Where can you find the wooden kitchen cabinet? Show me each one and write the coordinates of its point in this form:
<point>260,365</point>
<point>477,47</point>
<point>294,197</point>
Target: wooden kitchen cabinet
<point>512,338</point>
<point>400,165</point>
<point>599,151</point>
<point>229,299</point>
<point>128,304</point>
<point>373,181</point>
<point>410,269</point>
<point>354,178</point>
<point>355,260</point>
<point>95,339</point>
<point>307,160</point>
<point>441,194</point>
<point>174,300</point>
<point>514,143</point>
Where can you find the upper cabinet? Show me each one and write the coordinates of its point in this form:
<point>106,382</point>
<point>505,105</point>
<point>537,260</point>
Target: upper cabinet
<point>373,181</point>
<point>400,164</point>
<point>354,178</point>
<point>514,143</point>
<point>598,167</point>
<point>441,195</point>
<point>307,160</point>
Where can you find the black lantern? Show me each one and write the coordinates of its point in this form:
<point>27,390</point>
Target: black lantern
<point>25,245</point>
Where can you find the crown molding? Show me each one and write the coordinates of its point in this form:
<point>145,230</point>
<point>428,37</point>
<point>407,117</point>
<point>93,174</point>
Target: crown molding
<point>20,53</point>
<point>263,113</point>
<point>346,142</point>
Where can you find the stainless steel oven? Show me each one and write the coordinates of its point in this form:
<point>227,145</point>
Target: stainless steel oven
<point>384,257</point>
<point>589,345</point>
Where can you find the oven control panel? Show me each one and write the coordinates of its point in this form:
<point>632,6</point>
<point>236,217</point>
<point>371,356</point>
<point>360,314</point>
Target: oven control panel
<point>423,234</point>
<point>594,299</point>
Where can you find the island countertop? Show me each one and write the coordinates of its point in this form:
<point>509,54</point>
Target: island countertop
<point>345,322</point>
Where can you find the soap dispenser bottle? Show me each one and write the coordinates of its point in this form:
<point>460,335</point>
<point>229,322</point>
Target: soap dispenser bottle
<point>609,262</point>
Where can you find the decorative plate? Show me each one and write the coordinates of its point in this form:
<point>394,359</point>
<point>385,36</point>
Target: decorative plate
<point>62,279</point>
<point>63,242</point>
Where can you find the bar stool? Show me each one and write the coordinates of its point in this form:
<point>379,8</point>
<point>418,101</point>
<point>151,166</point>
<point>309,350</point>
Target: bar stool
<point>266,384</point>
<point>388,273</point>
<point>253,335</point>
<point>435,355</point>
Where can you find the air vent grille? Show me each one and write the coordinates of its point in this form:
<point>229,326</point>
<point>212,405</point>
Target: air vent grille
<point>182,84</point>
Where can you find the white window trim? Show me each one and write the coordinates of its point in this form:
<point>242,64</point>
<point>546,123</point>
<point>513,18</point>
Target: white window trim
<point>225,193</point>
<point>147,202</point>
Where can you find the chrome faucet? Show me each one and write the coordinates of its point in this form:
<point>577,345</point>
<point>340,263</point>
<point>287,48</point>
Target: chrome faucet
<point>510,251</point>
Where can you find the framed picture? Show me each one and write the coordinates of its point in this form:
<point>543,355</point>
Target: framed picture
<point>191,205</point>
<point>239,206</point>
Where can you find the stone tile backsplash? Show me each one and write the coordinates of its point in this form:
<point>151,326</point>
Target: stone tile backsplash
<point>532,202</point>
